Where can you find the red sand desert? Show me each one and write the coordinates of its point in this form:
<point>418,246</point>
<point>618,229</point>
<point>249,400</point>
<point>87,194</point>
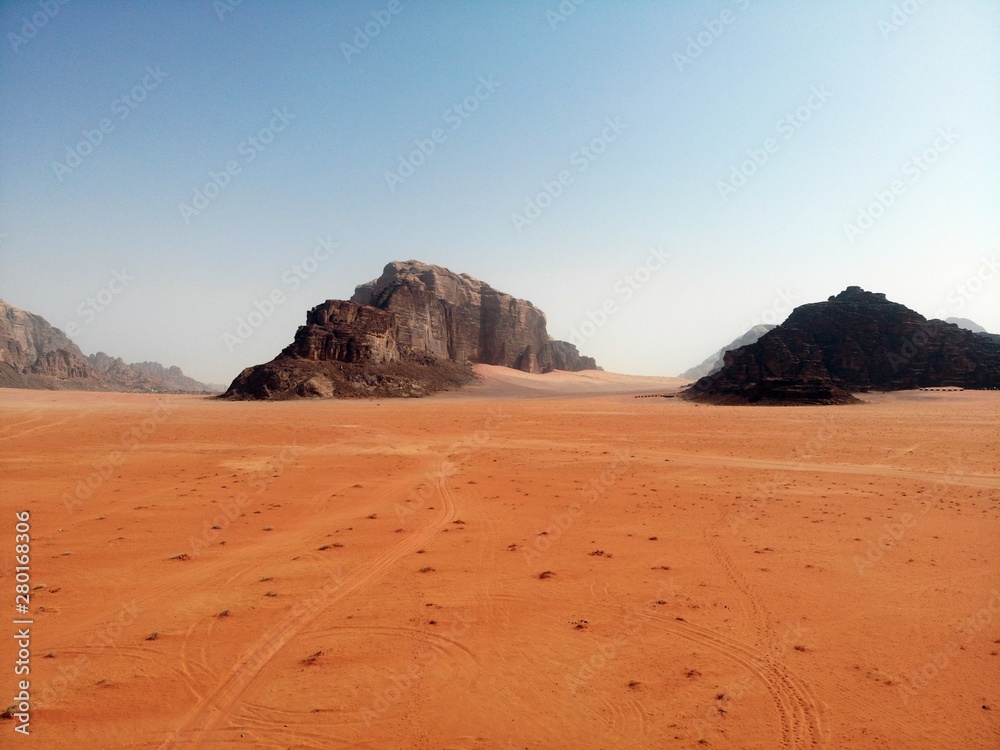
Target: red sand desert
<point>537,562</point>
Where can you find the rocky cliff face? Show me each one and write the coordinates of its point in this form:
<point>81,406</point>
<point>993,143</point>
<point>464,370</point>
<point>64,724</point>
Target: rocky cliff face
<point>974,327</point>
<point>33,354</point>
<point>457,317</point>
<point>855,341</point>
<point>64,365</point>
<point>714,363</point>
<point>346,332</point>
<point>348,350</point>
<point>24,337</point>
<point>415,330</point>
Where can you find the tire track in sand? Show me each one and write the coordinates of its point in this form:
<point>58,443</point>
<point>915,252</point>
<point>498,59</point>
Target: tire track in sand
<point>801,726</point>
<point>798,709</point>
<point>219,703</point>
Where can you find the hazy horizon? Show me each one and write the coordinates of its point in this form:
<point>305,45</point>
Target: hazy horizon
<point>190,159</point>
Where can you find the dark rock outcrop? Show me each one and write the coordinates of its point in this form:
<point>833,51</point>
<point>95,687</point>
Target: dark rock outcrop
<point>346,332</point>
<point>415,330</point>
<point>714,363</point>
<point>34,354</point>
<point>854,342</point>
<point>968,325</point>
<point>347,350</point>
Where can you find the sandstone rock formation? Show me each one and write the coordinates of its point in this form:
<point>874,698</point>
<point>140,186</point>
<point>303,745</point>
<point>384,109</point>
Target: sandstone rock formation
<point>415,330</point>
<point>347,350</point>
<point>34,354</point>
<point>460,318</point>
<point>714,363</point>
<point>24,337</point>
<point>854,342</point>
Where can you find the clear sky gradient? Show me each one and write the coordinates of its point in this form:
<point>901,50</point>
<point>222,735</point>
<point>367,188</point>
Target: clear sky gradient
<point>544,151</point>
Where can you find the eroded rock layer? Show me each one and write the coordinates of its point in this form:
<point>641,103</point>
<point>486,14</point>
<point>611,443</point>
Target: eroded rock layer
<point>414,330</point>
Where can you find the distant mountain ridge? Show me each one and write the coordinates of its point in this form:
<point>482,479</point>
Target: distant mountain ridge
<point>970,325</point>
<point>35,354</point>
<point>714,363</point>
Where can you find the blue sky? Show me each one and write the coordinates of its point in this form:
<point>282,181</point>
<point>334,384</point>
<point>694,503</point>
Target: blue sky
<point>776,151</point>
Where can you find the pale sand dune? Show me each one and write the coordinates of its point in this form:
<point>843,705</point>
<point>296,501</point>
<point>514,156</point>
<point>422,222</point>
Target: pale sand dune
<point>805,577</point>
<point>500,382</point>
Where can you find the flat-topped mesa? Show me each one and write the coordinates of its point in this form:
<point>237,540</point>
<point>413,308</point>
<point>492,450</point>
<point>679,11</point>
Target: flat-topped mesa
<point>457,317</point>
<point>414,330</point>
<point>854,342</point>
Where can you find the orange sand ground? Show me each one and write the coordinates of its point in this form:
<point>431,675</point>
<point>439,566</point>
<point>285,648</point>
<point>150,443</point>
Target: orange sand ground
<point>721,577</point>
